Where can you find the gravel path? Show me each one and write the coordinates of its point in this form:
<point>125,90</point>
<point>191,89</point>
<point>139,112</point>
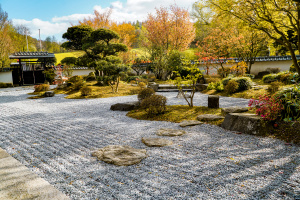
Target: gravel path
<point>54,137</point>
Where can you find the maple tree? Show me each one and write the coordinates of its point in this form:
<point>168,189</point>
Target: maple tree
<point>99,20</point>
<point>167,30</point>
<point>274,17</point>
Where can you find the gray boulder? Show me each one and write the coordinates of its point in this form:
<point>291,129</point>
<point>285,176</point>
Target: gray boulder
<point>125,106</point>
<point>156,142</point>
<point>234,109</point>
<point>169,132</point>
<point>246,123</point>
<point>49,94</point>
<point>209,117</point>
<point>120,155</point>
<point>185,123</point>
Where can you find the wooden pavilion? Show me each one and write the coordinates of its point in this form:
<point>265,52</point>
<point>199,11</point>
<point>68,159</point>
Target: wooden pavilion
<point>30,66</point>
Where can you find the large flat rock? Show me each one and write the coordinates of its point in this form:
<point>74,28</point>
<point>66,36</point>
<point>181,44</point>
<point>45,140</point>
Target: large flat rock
<point>17,182</point>
<point>125,106</point>
<point>120,155</point>
<point>246,123</point>
<point>234,109</point>
<point>170,132</point>
<point>209,117</point>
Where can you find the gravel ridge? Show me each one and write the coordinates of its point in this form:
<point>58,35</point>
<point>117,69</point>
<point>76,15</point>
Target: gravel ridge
<point>54,137</point>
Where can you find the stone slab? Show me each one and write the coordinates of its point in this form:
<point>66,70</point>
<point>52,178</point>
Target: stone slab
<point>170,132</point>
<point>156,142</point>
<point>186,123</point>
<point>125,106</point>
<point>120,155</point>
<point>209,117</point>
<point>17,182</point>
<point>234,109</point>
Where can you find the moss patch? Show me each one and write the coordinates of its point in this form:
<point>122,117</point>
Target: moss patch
<point>177,113</point>
<point>99,91</point>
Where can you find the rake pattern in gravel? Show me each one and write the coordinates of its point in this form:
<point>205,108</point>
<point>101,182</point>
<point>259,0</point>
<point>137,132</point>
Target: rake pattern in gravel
<point>54,137</point>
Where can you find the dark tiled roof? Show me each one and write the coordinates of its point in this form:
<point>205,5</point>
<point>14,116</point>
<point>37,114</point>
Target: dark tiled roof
<point>28,55</point>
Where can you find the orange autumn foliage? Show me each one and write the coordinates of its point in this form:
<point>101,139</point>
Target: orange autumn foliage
<point>170,29</point>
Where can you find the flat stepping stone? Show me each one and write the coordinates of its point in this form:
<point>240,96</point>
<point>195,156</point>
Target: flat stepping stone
<point>156,142</point>
<point>209,117</point>
<point>125,106</point>
<point>120,155</point>
<point>185,123</point>
<point>170,132</point>
<point>234,109</point>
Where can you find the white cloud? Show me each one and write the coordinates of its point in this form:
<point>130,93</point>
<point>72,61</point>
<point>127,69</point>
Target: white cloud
<point>71,18</point>
<point>130,11</point>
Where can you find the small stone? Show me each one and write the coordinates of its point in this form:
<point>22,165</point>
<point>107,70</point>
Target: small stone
<point>170,132</point>
<point>156,142</point>
<point>209,117</point>
<point>120,155</point>
<point>234,109</point>
<point>185,123</point>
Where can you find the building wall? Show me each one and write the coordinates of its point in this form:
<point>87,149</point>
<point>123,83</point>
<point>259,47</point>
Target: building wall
<point>82,72</point>
<point>258,66</point>
<point>6,77</point>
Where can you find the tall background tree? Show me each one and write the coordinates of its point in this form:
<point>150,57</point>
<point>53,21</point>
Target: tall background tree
<point>168,30</point>
<point>273,17</point>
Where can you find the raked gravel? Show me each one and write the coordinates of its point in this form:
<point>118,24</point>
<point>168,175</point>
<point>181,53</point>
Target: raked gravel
<point>54,137</point>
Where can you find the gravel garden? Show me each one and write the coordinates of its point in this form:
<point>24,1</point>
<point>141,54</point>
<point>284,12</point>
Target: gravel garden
<point>55,137</point>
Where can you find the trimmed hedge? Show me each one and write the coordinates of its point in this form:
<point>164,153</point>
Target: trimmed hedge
<point>245,83</point>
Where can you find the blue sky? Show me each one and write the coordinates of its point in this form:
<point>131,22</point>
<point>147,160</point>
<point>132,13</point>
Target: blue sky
<point>53,17</point>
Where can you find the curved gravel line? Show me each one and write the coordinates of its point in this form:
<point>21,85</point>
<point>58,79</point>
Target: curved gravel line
<point>54,137</point>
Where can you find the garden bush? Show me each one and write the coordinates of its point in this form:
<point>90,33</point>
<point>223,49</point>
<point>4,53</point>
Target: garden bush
<point>285,77</point>
<point>91,77</point>
<point>5,85</point>
<point>218,86</point>
<point>223,72</point>
<point>145,93</point>
<point>268,107</point>
<point>274,87</point>
<point>245,83</point>
<point>290,98</point>
<point>142,85</point>
<point>252,76</point>
<point>86,91</point>
<point>41,87</point>
<point>273,70</point>
<point>154,105</point>
<point>231,87</point>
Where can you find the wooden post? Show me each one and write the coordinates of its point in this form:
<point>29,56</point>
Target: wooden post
<point>21,68</point>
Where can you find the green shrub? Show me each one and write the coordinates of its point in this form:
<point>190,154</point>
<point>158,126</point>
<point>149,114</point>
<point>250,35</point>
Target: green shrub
<point>74,79</point>
<point>290,98</point>
<point>145,93</point>
<point>273,70</point>
<point>132,78</point>
<point>218,86</point>
<point>269,78</point>
<point>86,91</point>
<point>293,68</point>
<point>41,87</point>
<point>49,75</point>
<point>154,105</point>
<point>245,83</point>
<point>231,87</point>
<point>90,77</point>
<point>223,72</point>
<point>274,87</point>
<point>142,85</point>
<point>252,76</point>
<point>5,85</point>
